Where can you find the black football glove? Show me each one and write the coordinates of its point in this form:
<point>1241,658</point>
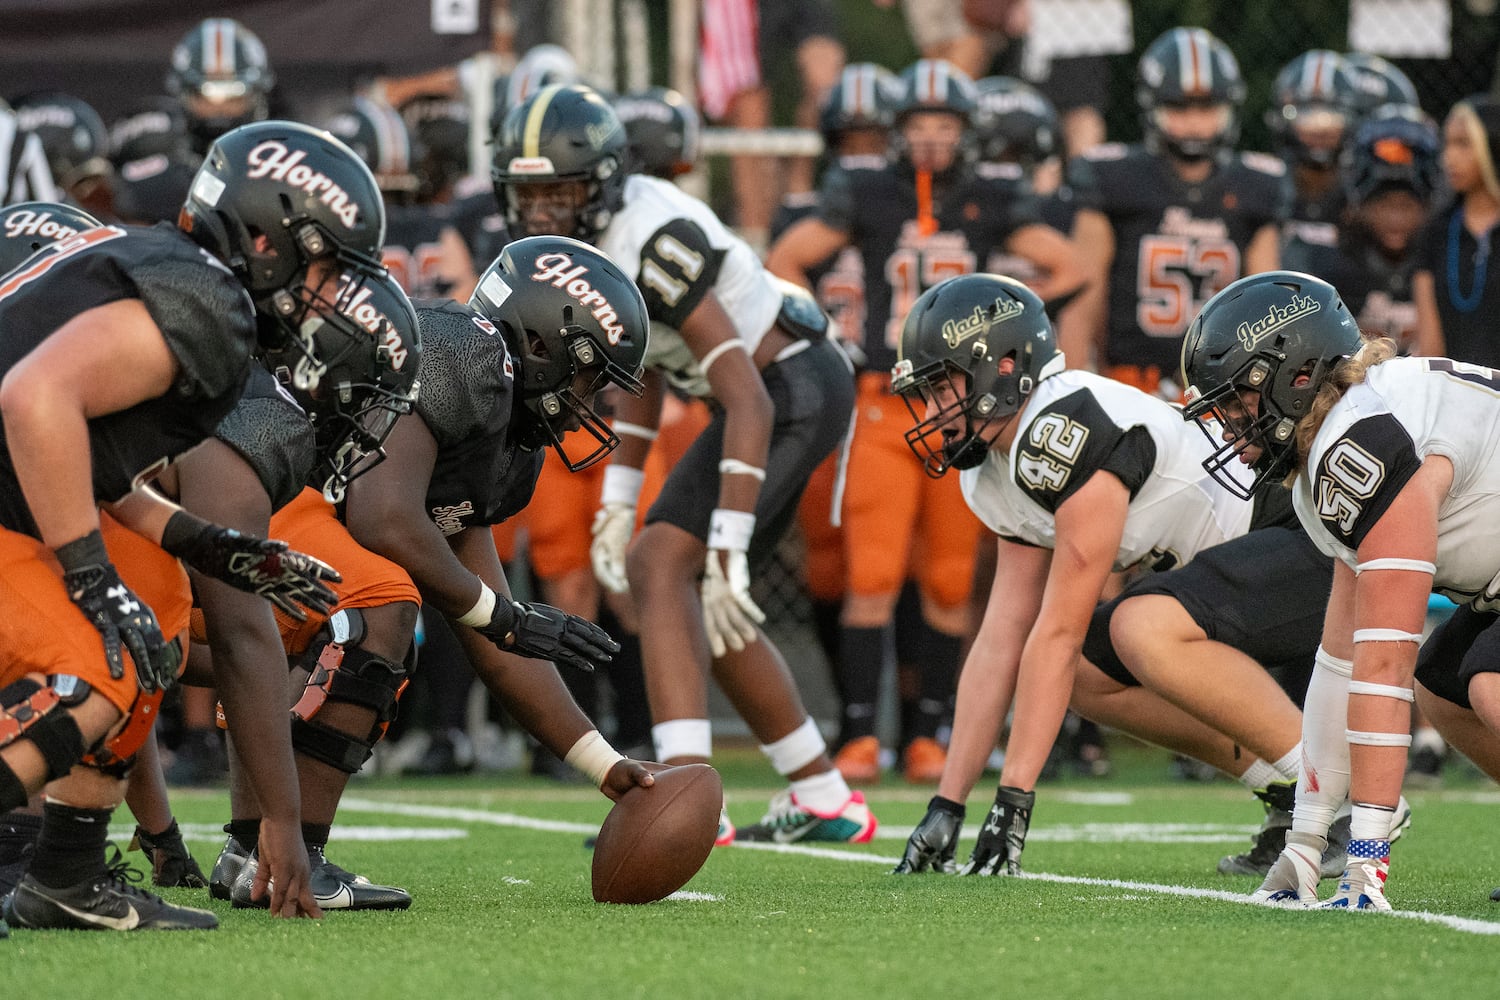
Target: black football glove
<point>930,847</point>
<point>121,617</point>
<point>543,632</point>
<point>171,864</point>
<point>1003,836</point>
<point>293,581</point>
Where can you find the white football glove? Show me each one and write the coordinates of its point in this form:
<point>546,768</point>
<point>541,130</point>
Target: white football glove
<point>729,613</point>
<point>613,526</point>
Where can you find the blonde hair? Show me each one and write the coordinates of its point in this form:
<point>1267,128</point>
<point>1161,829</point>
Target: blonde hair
<point>1345,375</point>
<point>1464,113</point>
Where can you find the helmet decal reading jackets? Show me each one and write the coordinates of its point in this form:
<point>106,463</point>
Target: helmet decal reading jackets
<point>558,270</point>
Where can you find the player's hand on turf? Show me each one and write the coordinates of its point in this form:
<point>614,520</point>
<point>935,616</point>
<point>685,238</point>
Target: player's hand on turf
<point>613,525</point>
<point>627,774</point>
<point>122,619</point>
<point>283,871</point>
<point>931,845</point>
<point>1003,836</point>
<point>293,581</point>
<point>543,632</point>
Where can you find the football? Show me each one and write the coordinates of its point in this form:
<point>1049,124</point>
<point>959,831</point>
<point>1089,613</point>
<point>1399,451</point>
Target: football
<point>655,839</point>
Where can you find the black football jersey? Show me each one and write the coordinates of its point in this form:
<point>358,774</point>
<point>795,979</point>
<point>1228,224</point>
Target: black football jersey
<point>1176,244</point>
<point>1058,210</point>
<point>202,310</point>
<point>1315,220</point>
<point>272,433</point>
<point>477,218</point>
<point>468,396</point>
<point>1377,290</point>
<point>878,209</point>
<point>413,248</point>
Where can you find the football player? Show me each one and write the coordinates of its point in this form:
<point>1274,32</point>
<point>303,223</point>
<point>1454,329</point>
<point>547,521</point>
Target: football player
<point>1393,469</point>
<point>662,129</point>
<point>154,162</point>
<point>136,363</point>
<point>422,248</point>
<point>1168,223</point>
<point>1315,105</point>
<point>1077,475</point>
<point>1380,83</point>
<point>503,380</point>
<point>722,329</point>
<point>923,218</point>
<point>77,146</point>
<point>1390,181</point>
<point>221,77</point>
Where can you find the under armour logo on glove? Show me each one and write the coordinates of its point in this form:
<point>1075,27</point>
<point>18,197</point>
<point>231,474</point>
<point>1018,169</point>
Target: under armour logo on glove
<point>124,622</point>
<point>293,581</point>
<point>128,605</point>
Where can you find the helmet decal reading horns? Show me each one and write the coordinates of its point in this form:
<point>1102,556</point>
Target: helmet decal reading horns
<point>368,316</point>
<point>274,160</point>
<point>558,270</point>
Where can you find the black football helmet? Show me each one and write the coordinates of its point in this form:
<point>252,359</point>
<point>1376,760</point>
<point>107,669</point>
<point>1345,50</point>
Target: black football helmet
<point>1316,90</point>
<point>542,66</point>
<point>360,376</point>
<point>378,135</point>
<point>1182,67</point>
<point>222,77</point>
<point>1397,147</point>
<point>1276,334</point>
<point>439,127</point>
<point>936,85</point>
<point>575,323</point>
<point>271,198</point>
<point>29,226</point>
<point>661,131</point>
<point>866,96</point>
<point>72,135</point>
<point>1380,82</point>
<point>982,341</point>
<point>153,127</point>
<point>1016,124</point>
<point>562,133</point>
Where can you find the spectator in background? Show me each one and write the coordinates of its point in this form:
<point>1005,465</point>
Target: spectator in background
<point>1456,290</point>
<point>1068,44</point>
<point>967,33</point>
<point>740,40</point>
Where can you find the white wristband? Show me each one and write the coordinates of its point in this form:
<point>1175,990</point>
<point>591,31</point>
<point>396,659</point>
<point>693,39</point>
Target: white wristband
<point>622,485</point>
<point>593,756</point>
<point>731,529</point>
<point>483,609</point>
<point>734,467</point>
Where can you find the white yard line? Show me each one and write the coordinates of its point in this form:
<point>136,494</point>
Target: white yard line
<point>1462,924</point>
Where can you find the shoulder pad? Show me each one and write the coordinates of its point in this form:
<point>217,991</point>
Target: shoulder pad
<point>679,266</point>
<point>1264,163</point>
<point>1062,446</point>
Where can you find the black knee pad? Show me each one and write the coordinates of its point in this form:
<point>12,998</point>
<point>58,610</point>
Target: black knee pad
<point>40,715</point>
<point>353,676</point>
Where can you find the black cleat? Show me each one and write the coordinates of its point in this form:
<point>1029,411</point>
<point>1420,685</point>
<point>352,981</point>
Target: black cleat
<point>227,868</point>
<point>1279,798</point>
<point>333,888</point>
<point>105,902</point>
<point>172,866</point>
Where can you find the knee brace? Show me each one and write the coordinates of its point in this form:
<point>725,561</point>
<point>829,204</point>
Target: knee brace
<point>41,716</point>
<point>354,676</point>
<point>114,756</point>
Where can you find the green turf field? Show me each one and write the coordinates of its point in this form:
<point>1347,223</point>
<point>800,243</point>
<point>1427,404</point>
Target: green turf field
<point>501,879</point>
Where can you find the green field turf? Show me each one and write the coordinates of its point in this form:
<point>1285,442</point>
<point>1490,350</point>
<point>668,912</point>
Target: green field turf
<point>503,908</point>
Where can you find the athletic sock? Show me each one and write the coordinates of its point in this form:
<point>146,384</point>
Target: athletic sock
<point>246,831</point>
<point>70,848</point>
<point>939,675</point>
<point>1286,766</point>
<point>824,793</point>
<point>1258,775</point>
<point>861,657</point>
<point>316,834</point>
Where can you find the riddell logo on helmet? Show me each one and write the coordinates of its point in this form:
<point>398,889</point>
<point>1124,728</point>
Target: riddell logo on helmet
<point>274,160</point>
<point>378,324</point>
<point>42,224</point>
<point>559,271</point>
<point>1251,334</point>
<point>956,331</point>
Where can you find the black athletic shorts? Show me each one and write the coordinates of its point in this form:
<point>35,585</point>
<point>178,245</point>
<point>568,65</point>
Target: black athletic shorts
<point>1264,593</point>
<point>786,24</point>
<point>1464,645</point>
<point>813,395</point>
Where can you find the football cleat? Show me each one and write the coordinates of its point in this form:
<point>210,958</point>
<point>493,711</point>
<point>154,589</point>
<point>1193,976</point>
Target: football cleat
<point>786,822</point>
<point>931,845</point>
<point>1269,842</point>
<point>859,760</point>
<point>172,865</point>
<point>1362,886</point>
<point>923,761</point>
<point>18,833</point>
<point>107,902</point>
<point>725,836</point>
<point>227,868</point>
<point>1292,880</point>
<point>332,887</point>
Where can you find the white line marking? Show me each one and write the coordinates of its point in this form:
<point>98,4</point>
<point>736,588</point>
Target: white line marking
<point>1114,833</point>
<point>214,833</point>
<point>1463,924</point>
<point>512,880</point>
<point>696,897</point>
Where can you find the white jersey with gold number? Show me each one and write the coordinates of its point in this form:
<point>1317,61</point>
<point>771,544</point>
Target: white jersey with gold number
<point>1374,440</point>
<point>678,251</point>
<point>1076,424</point>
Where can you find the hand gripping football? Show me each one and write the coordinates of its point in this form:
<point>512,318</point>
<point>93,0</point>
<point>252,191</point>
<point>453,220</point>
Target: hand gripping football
<point>655,839</point>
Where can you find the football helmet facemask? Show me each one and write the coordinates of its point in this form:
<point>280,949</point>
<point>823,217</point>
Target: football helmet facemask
<point>575,323</point>
<point>1274,336</point>
<point>972,350</point>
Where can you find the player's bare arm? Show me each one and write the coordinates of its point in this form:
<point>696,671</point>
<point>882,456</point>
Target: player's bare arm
<point>806,244</point>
